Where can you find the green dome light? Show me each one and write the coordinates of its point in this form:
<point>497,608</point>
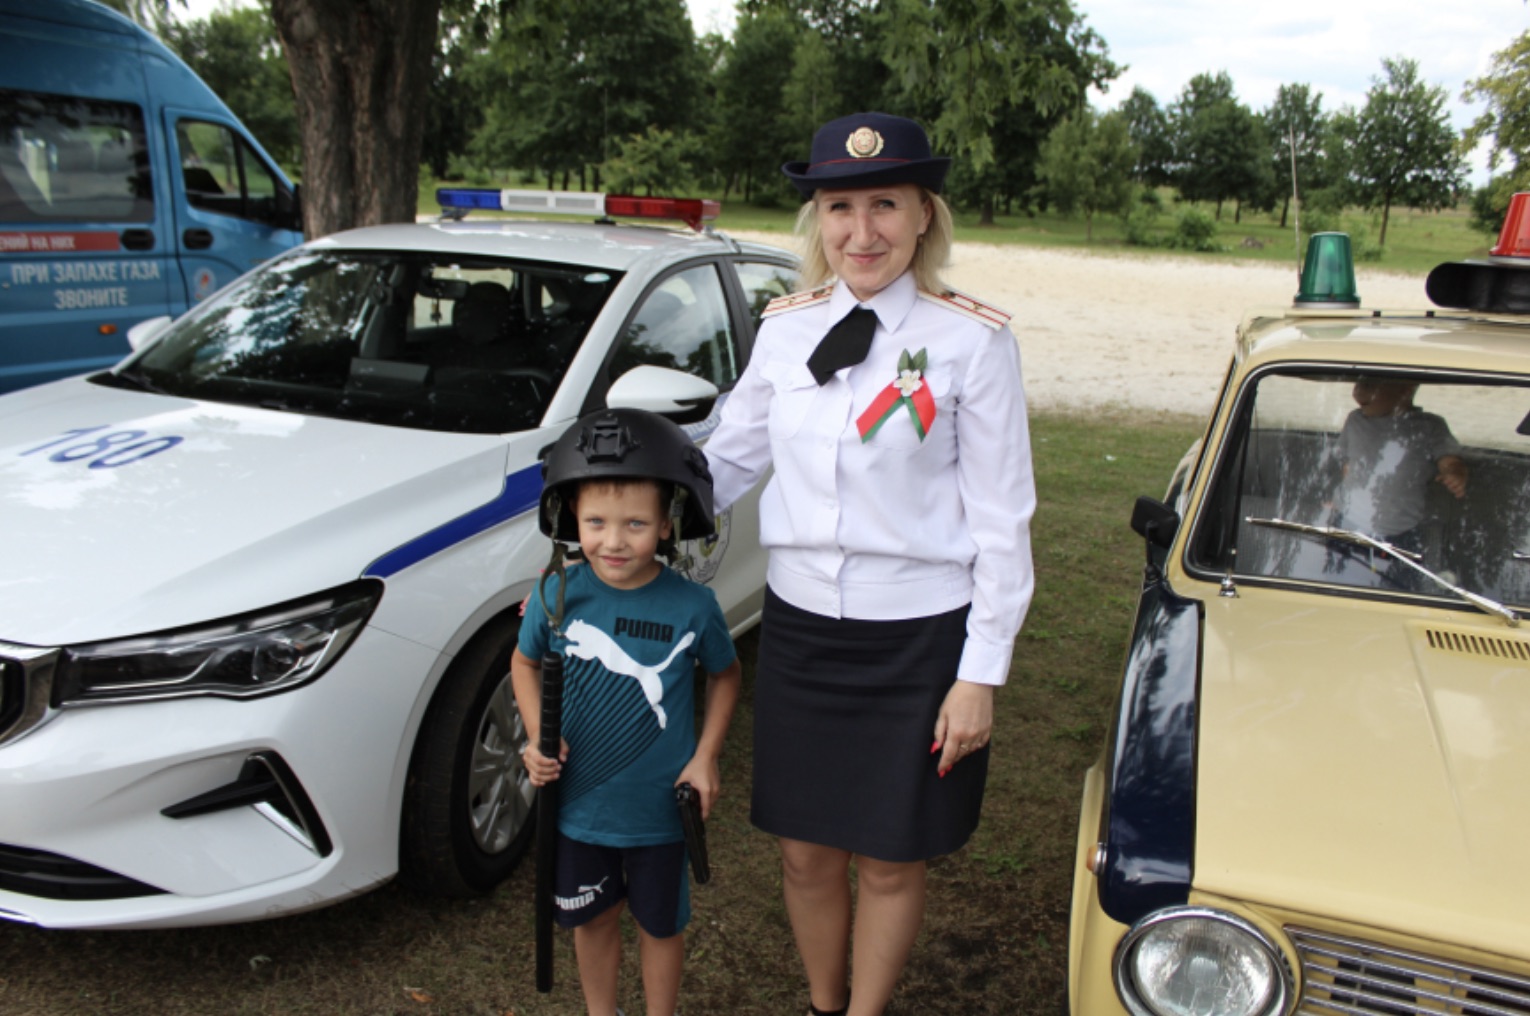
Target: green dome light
<point>1328,274</point>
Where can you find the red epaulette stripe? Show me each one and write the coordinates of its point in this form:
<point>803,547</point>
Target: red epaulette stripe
<point>792,301</point>
<point>963,304</point>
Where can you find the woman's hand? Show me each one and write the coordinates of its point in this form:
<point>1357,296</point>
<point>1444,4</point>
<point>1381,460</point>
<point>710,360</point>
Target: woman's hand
<point>702,775</point>
<point>965,723</point>
<point>541,769</point>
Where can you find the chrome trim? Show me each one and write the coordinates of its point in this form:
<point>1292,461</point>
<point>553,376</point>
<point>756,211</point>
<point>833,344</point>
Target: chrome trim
<point>1283,1002</point>
<point>36,684</point>
<point>1398,981</point>
<point>16,917</point>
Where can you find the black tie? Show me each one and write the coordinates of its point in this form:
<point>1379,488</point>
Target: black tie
<point>846,344</point>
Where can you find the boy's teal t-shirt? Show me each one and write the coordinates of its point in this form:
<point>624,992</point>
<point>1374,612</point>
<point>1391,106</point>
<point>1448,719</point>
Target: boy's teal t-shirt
<point>628,699</point>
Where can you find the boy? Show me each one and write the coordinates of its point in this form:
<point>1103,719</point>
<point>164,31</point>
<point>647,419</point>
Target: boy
<point>1391,450</point>
<point>631,631</point>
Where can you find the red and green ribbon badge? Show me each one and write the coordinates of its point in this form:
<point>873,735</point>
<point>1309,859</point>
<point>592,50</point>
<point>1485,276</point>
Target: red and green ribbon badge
<point>908,390</point>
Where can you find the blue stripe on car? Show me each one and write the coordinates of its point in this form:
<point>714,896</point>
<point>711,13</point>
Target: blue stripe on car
<point>521,493</point>
<point>1149,829</point>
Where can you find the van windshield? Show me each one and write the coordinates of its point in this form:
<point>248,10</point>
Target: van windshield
<point>405,339</point>
<point>68,159</point>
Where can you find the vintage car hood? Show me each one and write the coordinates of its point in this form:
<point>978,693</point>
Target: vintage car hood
<point>249,508</point>
<point>1367,763</point>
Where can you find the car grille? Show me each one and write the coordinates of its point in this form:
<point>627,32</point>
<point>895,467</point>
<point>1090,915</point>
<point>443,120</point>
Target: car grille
<point>12,694</point>
<point>1344,975</point>
<point>55,877</point>
<point>26,688</point>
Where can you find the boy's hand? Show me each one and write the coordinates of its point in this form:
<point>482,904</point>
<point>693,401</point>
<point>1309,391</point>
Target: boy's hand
<point>541,769</point>
<point>702,774</point>
<point>1453,475</point>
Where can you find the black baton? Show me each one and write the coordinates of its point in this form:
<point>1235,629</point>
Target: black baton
<point>547,815</point>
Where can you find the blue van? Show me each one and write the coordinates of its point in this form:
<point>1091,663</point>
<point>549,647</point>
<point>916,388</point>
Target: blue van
<point>128,190</point>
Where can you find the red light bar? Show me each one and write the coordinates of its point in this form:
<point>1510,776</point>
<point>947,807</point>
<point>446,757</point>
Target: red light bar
<point>691,211</point>
<point>1514,239</point>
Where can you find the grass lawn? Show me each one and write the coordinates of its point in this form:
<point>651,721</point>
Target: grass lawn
<point>995,938</point>
<point>1416,241</point>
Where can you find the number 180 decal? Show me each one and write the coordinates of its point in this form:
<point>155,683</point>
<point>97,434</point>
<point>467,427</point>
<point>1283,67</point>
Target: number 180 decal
<point>105,451</point>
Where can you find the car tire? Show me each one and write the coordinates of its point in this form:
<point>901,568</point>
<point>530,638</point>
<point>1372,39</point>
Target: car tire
<point>467,814</point>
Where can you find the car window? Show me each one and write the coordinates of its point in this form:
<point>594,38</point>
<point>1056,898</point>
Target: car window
<point>682,324</point>
<point>762,283</point>
<point>63,158</point>
<point>406,339</point>
<point>1438,466</point>
<point>223,174</point>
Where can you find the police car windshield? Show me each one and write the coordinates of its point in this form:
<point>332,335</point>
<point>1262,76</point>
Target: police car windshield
<point>1436,465</point>
<point>407,339</point>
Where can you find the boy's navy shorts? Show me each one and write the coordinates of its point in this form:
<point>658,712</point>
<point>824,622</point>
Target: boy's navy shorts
<point>590,880</point>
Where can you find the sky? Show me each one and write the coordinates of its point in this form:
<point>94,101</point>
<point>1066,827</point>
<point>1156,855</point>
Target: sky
<point>1335,46</point>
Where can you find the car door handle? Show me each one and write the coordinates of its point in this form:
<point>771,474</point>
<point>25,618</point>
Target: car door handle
<point>197,239</point>
<point>138,239</point>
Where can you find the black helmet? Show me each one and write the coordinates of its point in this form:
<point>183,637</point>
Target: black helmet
<point>615,444</point>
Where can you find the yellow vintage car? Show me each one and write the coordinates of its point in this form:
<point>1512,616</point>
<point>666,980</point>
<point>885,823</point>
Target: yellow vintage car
<point>1315,793</point>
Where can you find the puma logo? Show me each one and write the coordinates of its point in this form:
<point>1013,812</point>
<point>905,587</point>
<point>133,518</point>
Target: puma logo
<point>588,642</point>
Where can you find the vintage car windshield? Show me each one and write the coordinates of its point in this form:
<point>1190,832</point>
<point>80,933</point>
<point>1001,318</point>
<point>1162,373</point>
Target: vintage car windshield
<point>1378,454</point>
<point>408,339</point>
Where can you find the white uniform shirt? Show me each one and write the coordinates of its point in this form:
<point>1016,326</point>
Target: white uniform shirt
<point>894,527</point>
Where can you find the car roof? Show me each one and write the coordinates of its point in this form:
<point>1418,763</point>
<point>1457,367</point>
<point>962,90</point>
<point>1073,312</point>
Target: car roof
<point>595,245</point>
<point>1452,340</point>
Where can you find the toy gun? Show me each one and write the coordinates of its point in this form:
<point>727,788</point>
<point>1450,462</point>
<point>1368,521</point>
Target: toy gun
<point>549,744</point>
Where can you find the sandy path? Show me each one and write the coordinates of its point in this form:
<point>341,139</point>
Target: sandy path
<point>1141,332</point>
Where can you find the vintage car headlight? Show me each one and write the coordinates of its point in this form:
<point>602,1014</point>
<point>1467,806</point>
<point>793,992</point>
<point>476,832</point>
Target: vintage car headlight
<point>1194,961</point>
<point>241,657</point>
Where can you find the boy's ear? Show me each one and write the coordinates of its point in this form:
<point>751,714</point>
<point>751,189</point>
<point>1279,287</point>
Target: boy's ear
<point>666,528</point>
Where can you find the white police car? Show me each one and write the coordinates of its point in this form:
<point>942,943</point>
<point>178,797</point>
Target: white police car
<point>259,583</point>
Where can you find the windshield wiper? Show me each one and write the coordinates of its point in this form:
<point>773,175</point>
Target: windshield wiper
<point>1407,557</point>
<point>136,379</point>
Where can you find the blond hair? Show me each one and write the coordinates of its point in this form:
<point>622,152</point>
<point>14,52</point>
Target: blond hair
<point>931,255</point>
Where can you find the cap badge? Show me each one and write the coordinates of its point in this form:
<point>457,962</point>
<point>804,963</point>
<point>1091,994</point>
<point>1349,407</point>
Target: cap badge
<point>864,143</point>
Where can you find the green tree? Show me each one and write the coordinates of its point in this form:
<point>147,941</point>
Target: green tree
<point>653,160</point>
<point>1400,148</point>
<point>584,74</point>
<point>965,66</point>
<point>235,50</point>
<point>1087,164</point>
<point>1219,145</point>
<point>1148,126</point>
<point>1506,123</point>
<point>750,136</point>
<point>1296,128</point>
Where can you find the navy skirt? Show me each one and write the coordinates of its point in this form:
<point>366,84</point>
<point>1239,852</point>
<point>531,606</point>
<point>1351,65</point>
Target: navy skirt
<point>844,717</point>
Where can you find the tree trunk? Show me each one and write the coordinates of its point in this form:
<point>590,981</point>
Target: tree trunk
<point>1386,214</point>
<point>985,217</point>
<point>360,79</point>
<point>1285,206</point>
<point>1219,209</point>
<point>1089,226</point>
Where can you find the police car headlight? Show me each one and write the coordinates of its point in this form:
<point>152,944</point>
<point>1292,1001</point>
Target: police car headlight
<point>1194,961</point>
<point>255,654</point>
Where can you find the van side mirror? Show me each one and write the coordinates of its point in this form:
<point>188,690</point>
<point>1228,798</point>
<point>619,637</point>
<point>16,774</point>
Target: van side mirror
<point>289,208</point>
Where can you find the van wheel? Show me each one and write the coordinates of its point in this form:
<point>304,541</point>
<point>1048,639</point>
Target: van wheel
<point>468,801</point>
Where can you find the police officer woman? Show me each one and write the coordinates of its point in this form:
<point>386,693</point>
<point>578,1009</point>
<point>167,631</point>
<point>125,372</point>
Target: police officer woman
<point>898,525</point>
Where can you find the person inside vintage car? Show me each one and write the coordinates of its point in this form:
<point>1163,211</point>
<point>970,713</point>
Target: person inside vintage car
<point>1391,450</point>
<point>898,529</point>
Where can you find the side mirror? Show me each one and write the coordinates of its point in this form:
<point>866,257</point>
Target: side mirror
<point>1155,522</point>
<point>684,398</point>
<point>144,332</point>
<point>289,208</point>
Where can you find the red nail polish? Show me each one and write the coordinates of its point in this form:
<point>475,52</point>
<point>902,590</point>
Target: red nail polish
<point>934,747</point>
<point>943,773</point>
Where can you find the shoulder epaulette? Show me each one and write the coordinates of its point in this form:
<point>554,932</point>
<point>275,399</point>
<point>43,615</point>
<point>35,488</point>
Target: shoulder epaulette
<point>796,301</point>
<point>966,306</point>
